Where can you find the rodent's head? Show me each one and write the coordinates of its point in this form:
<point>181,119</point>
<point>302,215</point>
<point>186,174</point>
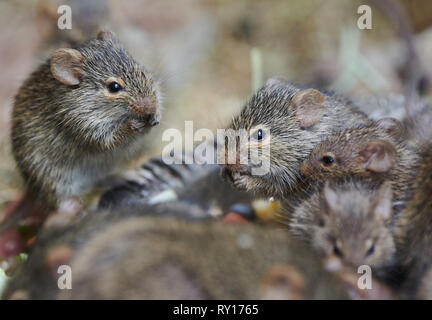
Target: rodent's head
<point>363,152</point>
<point>351,225</point>
<point>105,93</point>
<point>278,120</point>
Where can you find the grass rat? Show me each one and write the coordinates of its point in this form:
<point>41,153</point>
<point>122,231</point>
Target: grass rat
<point>79,115</point>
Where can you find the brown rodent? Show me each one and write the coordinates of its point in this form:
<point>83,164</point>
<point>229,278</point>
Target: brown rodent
<point>298,119</point>
<point>156,258</point>
<point>413,232</point>
<point>374,153</point>
<point>348,221</point>
<point>79,115</point>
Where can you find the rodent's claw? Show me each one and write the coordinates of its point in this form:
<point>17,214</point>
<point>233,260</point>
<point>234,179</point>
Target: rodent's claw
<point>240,182</point>
<point>143,123</point>
<point>138,125</point>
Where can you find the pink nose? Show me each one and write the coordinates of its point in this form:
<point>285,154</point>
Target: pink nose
<point>144,106</point>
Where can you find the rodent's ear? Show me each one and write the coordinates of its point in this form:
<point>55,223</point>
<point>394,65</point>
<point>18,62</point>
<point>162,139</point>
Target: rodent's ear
<point>378,155</point>
<point>106,35</point>
<point>383,205</point>
<point>330,198</point>
<point>66,66</point>
<point>308,107</point>
<point>392,126</point>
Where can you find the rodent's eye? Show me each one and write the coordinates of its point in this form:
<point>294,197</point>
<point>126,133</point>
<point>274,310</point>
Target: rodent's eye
<point>258,135</point>
<point>114,87</point>
<point>337,251</point>
<point>371,250</point>
<point>327,160</point>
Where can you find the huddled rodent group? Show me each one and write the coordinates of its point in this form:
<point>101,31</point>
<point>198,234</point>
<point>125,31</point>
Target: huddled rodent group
<point>353,188</point>
<point>298,118</point>
<point>349,186</point>
<point>375,153</point>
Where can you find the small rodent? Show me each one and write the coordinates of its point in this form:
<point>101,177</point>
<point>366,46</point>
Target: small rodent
<point>298,119</point>
<point>157,258</point>
<point>374,154</point>
<point>348,221</point>
<point>79,115</point>
<point>414,229</point>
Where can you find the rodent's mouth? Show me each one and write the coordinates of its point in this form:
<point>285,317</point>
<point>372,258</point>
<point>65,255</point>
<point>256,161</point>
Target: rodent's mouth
<point>142,122</point>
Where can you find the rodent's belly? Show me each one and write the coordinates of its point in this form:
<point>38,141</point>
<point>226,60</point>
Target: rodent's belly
<point>81,180</point>
<point>83,176</point>
<point>84,180</point>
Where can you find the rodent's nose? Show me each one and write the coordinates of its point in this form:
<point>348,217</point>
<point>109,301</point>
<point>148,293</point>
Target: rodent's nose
<point>153,120</point>
<point>144,106</point>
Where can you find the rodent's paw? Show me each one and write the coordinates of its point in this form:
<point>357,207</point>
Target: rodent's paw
<point>138,125</point>
<point>226,174</point>
<point>239,181</point>
<point>145,122</point>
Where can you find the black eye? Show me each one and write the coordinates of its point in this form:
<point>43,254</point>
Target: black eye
<point>336,251</point>
<point>259,135</point>
<point>114,87</point>
<point>371,250</point>
<point>328,160</point>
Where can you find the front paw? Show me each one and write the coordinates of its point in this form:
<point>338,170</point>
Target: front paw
<point>226,175</point>
<point>138,125</point>
<point>239,181</point>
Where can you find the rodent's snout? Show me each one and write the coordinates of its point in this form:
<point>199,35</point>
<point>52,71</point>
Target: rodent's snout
<point>144,106</point>
<point>144,114</point>
<point>153,119</point>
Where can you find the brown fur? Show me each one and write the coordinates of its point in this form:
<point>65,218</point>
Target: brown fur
<point>424,290</point>
<point>414,231</point>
